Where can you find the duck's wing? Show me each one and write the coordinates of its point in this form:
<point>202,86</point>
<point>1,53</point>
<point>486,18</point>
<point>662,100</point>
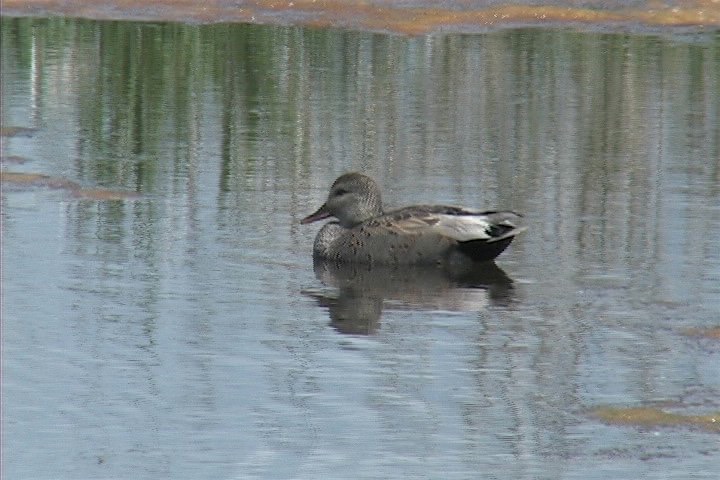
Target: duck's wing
<point>503,224</point>
<point>459,224</point>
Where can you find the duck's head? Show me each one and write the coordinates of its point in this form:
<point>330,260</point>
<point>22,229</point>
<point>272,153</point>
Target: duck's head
<point>353,198</point>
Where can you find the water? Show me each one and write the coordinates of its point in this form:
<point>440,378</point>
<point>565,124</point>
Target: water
<point>185,334</point>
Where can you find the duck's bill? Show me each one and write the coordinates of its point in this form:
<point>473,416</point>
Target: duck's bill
<point>314,217</point>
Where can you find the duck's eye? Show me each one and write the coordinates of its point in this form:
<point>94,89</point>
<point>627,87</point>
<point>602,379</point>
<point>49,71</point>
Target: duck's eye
<point>340,191</point>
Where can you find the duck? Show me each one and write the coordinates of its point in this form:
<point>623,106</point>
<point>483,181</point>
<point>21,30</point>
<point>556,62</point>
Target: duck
<point>362,232</point>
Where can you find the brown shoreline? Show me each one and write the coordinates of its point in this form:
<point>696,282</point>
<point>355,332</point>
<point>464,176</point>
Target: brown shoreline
<point>381,16</point>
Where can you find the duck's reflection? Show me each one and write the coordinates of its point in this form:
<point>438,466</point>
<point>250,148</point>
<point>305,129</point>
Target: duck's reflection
<point>363,291</point>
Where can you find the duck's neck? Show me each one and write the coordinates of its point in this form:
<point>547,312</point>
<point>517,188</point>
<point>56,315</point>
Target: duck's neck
<point>359,213</point>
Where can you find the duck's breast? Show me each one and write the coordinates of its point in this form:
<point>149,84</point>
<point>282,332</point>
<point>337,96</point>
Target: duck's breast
<point>326,240</point>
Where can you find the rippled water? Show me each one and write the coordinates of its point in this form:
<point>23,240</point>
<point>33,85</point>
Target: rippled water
<point>186,333</point>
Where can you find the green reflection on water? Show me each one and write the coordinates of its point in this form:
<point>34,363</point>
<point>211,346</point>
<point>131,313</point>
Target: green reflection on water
<point>134,80</point>
<point>144,104</point>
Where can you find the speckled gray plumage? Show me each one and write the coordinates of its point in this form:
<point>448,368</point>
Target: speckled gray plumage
<point>421,234</point>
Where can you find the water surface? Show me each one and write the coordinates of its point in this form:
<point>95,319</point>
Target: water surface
<point>162,317</point>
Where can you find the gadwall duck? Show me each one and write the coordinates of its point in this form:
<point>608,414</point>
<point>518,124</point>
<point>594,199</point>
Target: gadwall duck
<point>419,234</point>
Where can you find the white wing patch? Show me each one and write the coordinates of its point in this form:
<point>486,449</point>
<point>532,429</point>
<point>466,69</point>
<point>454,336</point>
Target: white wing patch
<point>462,227</point>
